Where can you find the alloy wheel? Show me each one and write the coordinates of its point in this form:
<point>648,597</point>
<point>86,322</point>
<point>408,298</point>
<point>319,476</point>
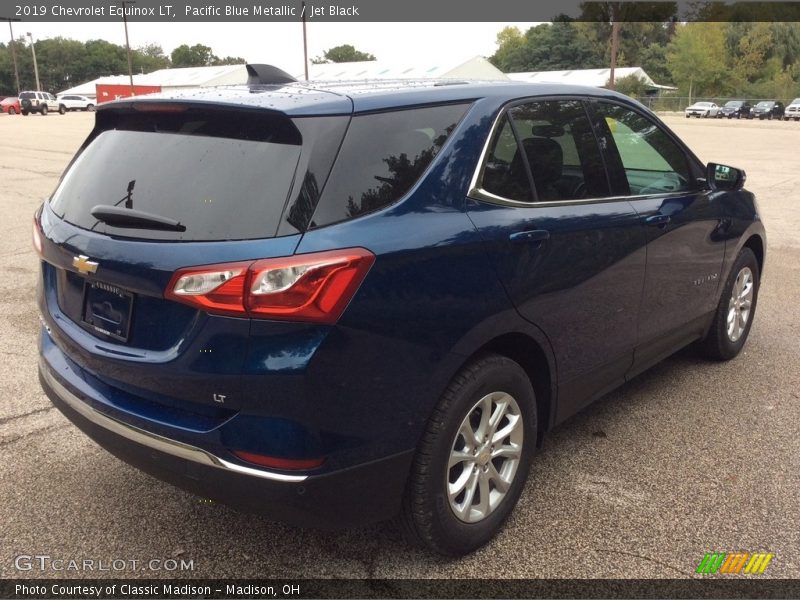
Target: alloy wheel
<point>740,304</point>
<point>484,457</point>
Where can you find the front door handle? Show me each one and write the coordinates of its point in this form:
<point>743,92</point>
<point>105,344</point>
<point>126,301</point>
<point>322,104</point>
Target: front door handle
<point>534,235</point>
<point>659,220</point>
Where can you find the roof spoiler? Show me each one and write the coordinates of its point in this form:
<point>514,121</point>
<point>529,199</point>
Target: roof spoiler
<point>267,74</point>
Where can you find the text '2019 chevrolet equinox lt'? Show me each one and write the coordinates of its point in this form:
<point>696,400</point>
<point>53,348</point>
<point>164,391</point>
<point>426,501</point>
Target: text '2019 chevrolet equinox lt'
<point>334,303</point>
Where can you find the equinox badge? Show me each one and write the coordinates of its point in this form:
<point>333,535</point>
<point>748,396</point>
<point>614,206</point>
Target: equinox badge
<point>84,265</point>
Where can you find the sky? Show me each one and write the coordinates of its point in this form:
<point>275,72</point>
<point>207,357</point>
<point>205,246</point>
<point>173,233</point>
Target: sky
<point>280,44</point>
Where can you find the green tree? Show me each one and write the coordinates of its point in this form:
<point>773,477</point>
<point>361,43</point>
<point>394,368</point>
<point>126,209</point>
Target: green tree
<point>753,46</point>
<point>343,53</point>
<point>546,47</point>
<point>229,60</point>
<point>149,58</point>
<point>696,57</point>
<point>201,56</point>
<point>510,52</point>
<point>192,56</point>
<point>632,85</point>
<point>653,60</point>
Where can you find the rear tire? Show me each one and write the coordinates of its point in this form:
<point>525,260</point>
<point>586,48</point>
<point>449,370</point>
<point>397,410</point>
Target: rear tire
<point>736,309</point>
<point>12,111</point>
<point>470,469</point>
<point>24,113</point>
<point>90,107</point>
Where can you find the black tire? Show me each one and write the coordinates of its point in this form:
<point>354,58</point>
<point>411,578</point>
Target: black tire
<point>43,110</point>
<point>718,344</point>
<point>12,110</point>
<point>62,110</point>
<point>427,517</point>
<point>90,107</point>
<point>24,113</point>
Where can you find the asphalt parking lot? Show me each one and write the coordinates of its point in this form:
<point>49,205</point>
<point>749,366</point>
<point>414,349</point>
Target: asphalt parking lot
<point>690,457</point>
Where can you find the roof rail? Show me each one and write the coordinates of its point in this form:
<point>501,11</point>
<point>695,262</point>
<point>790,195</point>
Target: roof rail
<point>267,74</point>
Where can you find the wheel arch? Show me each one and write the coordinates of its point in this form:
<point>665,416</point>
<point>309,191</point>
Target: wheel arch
<point>756,244</point>
<point>537,362</point>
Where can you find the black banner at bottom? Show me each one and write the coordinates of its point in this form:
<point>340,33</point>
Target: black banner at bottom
<point>74,589</point>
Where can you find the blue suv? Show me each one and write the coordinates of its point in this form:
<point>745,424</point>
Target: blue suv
<point>334,303</point>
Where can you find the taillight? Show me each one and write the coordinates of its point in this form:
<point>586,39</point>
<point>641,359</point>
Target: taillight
<point>306,287</point>
<point>37,237</point>
<point>215,288</point>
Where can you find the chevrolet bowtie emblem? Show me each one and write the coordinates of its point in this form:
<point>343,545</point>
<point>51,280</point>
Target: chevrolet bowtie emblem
<point>84,265</point>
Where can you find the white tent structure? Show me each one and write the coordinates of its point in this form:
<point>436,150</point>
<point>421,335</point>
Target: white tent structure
<point>170,79</point>
<point>476,67</point>
<point>591,77</point>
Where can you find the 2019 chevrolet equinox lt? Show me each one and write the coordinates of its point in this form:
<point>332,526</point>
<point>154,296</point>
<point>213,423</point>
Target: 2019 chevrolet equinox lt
<point>334,303</point>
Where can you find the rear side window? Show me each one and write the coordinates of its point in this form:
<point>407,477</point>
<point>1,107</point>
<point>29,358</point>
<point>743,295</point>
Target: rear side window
<point>383,155</point>
<point>504,172</point>
<point>224,175</point>
<point>555,143</point>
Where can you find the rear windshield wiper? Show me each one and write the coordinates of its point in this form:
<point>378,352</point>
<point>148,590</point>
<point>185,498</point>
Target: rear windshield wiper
<point>134,219</point>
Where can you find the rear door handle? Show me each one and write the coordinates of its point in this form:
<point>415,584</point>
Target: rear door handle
<point>534,235</point>
<point>658,220</point>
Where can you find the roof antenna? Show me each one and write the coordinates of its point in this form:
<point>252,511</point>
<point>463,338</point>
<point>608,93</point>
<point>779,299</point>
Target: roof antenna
<point>267,75</point>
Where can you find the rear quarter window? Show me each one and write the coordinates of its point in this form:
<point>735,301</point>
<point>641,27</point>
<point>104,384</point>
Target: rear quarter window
<point>383,155</point>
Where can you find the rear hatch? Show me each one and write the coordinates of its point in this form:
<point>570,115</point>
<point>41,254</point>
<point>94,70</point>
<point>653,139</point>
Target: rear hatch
<point>158,187</point>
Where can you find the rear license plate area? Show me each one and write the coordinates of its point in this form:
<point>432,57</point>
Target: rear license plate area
<point>107,309</point>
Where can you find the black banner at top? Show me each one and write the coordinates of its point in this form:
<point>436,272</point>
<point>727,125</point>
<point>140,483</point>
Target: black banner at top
<point>393,10</point>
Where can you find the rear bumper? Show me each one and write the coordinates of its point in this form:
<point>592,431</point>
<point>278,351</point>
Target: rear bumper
<point>345,498</point>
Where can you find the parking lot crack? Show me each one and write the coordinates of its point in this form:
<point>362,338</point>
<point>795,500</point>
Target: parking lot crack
<point>35,432</point>
<point>643,557</point>
<point>4,420</point>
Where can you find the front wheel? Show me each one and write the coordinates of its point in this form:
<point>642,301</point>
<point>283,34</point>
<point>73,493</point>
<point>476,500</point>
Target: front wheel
<point>62,110</point>
<point>473,459</point>
<point>12,111</point>
<point>736,309</point>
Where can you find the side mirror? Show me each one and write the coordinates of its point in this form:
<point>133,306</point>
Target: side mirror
<point>725,178</point>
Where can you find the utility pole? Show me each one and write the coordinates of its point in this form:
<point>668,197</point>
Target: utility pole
<point>13,51</point>
<point>305,41</point>
<point>614,43</point>
<point>127,43</point>
<point>35,64</point>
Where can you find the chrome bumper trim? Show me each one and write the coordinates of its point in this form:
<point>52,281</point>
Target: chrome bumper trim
<point>154,441</point>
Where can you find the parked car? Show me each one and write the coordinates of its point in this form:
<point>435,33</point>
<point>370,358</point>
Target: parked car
<point>75,102</point>
<point>793,110</point>
<point>10,105</point>
<point>702,109</point>
<point>334,327</point>
<point>768,109</point>
<point>735,109</point>
<point>41,102</point>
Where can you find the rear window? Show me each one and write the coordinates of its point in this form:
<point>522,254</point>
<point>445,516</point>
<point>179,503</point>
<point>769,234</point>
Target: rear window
<point>222,175</point>
<point>383,155</point>
<point>24,95</point>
